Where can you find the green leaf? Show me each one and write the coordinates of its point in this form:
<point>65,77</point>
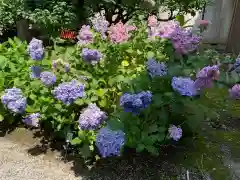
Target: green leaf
<point>101,92</point>
<point>157,100</point>
<point>79,102</point>
<point>152,150</point>
<point>103,103</point>
<point>33,96</point>
<point>180,18</point>
<point>150,54</point>
<point>115,124</point>
<point>30,109</point>
<point>125,63</point>
<point>3,62</point>
<point>1,117</point>
<point>2,80</point>
<point>153,128</point>
<point>58,107</point>
<point>85,150</point>
<point>76,141</point>
<point>140,147</point>
<point>94,98</point>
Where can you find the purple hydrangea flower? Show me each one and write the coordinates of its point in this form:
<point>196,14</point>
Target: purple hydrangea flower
<point>136,102</point>
<point>66,67</point>
<point>235,92</point>
<point>109,142</point>
<point>209,72</point>
<point>183,40</point>
<point>100,24</point>
<point>155,68</point>
<point>91,55</point>
<point>14,100</point>
<point>36,49</point>
<point>68,92</point>
<point>206,76</point>
<point>185,86</point>
<point>175,133</point>
<point>91,117</point>
<point>48,78</point>
<point>32,120</point>
<point>85,36</point>
<point>54,64</point>
<point>35,72</point>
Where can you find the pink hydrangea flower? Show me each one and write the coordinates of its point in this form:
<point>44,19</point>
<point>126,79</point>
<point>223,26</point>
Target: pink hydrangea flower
<point>119,32</point>
<point>152,21</point>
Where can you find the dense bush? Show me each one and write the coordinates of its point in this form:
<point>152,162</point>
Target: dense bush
<point>135,86</point>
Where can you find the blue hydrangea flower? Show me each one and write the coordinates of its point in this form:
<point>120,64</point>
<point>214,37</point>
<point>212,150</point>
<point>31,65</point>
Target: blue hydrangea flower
<point>109,142</point>
<point>91,55</point>
<point>48,78</point>
<point>155,68</point>
<point>236,65</point>
<point>100,24</point>
<point>35,72</point>
<point>136,102</point>
<point>175,132</point>
<point>36,49</point>
<point>14,100</point>
<point>185,86</point>
<point>68,92</point>
<point>91,117</point>
<point>32,120</point>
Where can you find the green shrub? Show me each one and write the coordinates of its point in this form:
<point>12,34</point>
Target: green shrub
<point>117,68</point>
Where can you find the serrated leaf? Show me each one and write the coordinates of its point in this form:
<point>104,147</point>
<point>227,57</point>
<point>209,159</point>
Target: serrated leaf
<point>153,128</point>
<point>76,141</point>
<point>1,117</point>
<point>115,124</point>
<point>101,92</point>
<point>79,102</point>
<point>150,54</point>
<point>140,147</point>
<point>85,150</point>
<point>58,107</point>
<point>125,63</point>
<point>29,109</point>
<point>3,62</point>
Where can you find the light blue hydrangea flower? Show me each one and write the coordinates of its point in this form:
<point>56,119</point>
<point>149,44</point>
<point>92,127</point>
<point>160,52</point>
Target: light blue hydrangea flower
<point>14,100</point>
<point>48,78</point>
<point>68,92</point>
<point>91,117</point>
<point>36,49</point>
<point>155,68</point>
<point>32,120</point>
<point>135,102</point>
<point>109,142</point>
<point>91,56</point>
<point>185,86</point>
<point>35,72</point>
<point>175,132</point>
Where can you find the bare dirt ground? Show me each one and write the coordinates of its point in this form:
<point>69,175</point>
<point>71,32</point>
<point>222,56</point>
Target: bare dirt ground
<point>24,157</point>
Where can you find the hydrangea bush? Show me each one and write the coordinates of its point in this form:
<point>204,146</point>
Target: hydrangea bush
<point>134,85</point>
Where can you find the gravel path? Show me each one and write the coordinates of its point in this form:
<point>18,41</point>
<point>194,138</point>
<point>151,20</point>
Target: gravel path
<point>17,164</point>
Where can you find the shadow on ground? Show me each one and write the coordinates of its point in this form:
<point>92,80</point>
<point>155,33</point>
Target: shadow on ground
<point>205,157</point>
